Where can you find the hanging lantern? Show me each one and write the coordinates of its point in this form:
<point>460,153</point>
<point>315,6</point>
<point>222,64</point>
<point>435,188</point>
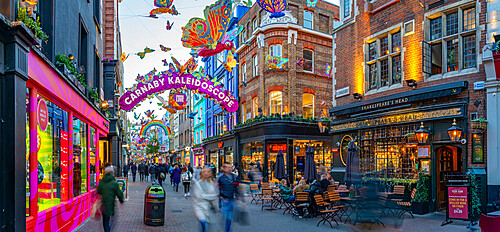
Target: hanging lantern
<point>455,132</point>
<point>422,134</point>
<point>323,125</point>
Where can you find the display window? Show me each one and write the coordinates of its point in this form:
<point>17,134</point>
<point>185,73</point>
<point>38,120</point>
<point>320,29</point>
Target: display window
<point>52,143</point>
<point>323,156</point>
<point>92,159</point>
<point>213,158</point>
<point>273,150</point>
<point>252,154</point>
<point>79,157</point>
<point>229,155</point>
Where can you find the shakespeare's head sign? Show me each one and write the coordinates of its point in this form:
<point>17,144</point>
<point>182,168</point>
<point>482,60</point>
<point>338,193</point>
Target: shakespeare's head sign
<point>175,80</point>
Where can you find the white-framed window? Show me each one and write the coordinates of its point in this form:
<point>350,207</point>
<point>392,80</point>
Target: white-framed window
<point>308,56</point>
<point>347,8</point>
<point>451,41</point>
<point>197,137</point>
<point>255,23</point>
<point>244,72</point>
<point>255,61</point>
<point>219,122</point>
<point>255,106</point>
<point>383,60</point>
<point>202,135</point>
<point>275,50</point>
<point>308,19</point>
<point>275,102</point>
<point>307,105</point>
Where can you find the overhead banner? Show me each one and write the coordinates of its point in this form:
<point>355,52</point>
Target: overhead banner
<point>163,82</point>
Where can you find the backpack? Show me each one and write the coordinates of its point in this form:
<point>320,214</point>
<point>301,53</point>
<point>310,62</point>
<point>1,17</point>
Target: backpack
<point>162,175</point>
<point>186,176</point>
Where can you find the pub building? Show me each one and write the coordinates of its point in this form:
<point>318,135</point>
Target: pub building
<point>220,149</point>
<point>398,135</point>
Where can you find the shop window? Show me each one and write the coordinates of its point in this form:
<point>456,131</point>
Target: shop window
<point>80,131</point>
<point>275,50</point>
<point>255,106</point>
<point>255,61</point>
<point>323,156</point>
<point>273,150</point>
<point>308,56</point>
<point>53,140</point>
<point>276,102</point>
<point>252,156</point>
<point>308,105</point>
<point>92,159</point>
<point>308,19</point>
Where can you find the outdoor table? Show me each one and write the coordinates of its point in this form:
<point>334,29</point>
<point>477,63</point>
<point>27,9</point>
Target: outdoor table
<point>343,192</point>
<point>496,213</point>
<point>353,204</point>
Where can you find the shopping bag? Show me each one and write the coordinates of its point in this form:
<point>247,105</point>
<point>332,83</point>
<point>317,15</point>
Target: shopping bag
<point>96,213</point>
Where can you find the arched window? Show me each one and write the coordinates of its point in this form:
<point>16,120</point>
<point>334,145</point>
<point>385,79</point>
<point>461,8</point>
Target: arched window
<point>307,105</point>
<point>276,102</point>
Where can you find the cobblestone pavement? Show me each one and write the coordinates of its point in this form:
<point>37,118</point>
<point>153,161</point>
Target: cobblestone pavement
<point>180,217</point>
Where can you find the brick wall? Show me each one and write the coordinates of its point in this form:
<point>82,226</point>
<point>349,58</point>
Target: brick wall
<point>109,28</point>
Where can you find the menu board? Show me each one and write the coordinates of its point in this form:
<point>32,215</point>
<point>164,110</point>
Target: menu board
<point>457,202</point>
<point>122,185</point>
<point>477,147</point>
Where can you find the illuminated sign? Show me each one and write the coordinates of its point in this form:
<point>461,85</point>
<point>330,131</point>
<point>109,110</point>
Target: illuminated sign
<point>221,144</point>
<point>278,147</point>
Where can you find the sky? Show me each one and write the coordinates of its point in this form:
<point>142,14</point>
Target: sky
<point>139,31</point>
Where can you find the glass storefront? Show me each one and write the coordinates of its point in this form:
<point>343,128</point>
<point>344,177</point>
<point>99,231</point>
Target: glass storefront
<point>252,153</point>
<point>49,155</point>
<point>92,159</point>
<point>229,155</point>
<point>79,157</point>
<point>323,156</point>
<point>212,154</point>
<point>271,160</point>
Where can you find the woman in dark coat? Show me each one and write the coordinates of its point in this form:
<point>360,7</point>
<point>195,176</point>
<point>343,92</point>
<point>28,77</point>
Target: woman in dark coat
<point>176,176</point>
<point>108,189</point>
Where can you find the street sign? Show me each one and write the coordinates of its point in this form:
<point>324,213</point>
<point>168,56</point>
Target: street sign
<point>478,85</point>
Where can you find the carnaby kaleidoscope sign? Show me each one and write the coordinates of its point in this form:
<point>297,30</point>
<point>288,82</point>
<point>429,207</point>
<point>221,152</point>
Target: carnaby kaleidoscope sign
<point>162,82</point>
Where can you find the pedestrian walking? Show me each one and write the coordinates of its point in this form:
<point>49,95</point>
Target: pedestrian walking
<point>176,176</point>
<point>186,181</point>
<point>108,189</point>
<point>205,197</point>
<point>228,186</point>
<point>134,171</point>
<point>141,172</point>
<point>161,174</point>
<point>170,171</point>
<point>146,172</point>
<point>125,170</point>
<point>152,171</point>
<point>196,173</point>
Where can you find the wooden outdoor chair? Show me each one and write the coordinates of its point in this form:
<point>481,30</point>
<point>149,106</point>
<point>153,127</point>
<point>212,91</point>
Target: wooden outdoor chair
<point>265,185</point>
<point>398,193</point>
<point>405,206</point>
<point>254,191</point>
<point>326,214</point>
<point>267,198</point>
<point>335,202</point>
<point>301,202</point>
<point>342,187</point>
<point>331,188</point>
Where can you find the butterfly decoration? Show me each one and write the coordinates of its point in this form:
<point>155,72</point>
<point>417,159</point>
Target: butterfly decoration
<point>192,115</point>
<point>165,62</point>
<point>328,71</point>
<point>149,113</point>
<point>123,57</point>
<point>244,84</point>
<point>188,67</point>
<point>146,51</point>
<point>200,73</point>
<point>136,117</point>
<point>169,26</point>
<point>231,62</point>
<point>301,62</point>
<point>196,97</point>
<point>246,3</point>
<point>311,3</point>
<point>275,62</point>
<point>275,7</point>
<point>163,6</point>
<point>206,35</point>
<point>194,54</point>
<point>165,49</point>
<point>143,122</point>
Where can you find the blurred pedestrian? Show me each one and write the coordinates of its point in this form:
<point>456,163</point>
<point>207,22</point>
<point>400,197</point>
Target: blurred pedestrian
<point>108,189</point>
<point>205,197</point>
<point>141,172</point>
<point>152,171</point>
<point>176,177</point>
<point>228,186</point>
<point>125,170</point>
<point>196,173</point>
<point>146,171</point>
<point>186,181</point>
<point>134,171</point>
<point>162,174</point>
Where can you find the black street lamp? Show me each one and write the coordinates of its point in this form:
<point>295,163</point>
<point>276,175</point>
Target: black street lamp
<point>455,132</point>
<point>422,134</point>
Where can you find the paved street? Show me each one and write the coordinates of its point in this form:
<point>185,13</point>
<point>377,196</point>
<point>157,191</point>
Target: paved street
<point>180,217</point>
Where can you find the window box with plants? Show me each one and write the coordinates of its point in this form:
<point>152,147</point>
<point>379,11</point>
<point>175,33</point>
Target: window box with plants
<point>33,24</point>
<point>94,97</point>
<point>479,123</point>
<point>67,66</point>
<point>420,203</point>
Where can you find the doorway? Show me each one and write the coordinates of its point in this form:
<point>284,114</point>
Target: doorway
<point>449,162</point>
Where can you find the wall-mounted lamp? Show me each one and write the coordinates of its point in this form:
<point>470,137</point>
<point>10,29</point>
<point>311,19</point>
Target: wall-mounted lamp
<point>357,96</point>
<point>411,83</point>
<point>454,132</point>
<point>104,105</point>
<point>71,57</point>
<point>422,134</point>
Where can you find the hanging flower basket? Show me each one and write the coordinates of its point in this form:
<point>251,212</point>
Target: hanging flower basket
<point>479,124</point>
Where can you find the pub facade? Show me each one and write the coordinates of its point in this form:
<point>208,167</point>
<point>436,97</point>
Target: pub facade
<point>418,71</point>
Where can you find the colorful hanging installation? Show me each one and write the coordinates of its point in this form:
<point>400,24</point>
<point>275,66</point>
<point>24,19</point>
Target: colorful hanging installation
<point>312,3</point>
<point>165,49</point>
<point>328,71</point>
<point>275,7</point>
<point>163,6</point>
<point>123,57</point>
<point>301,62</point>
<point>149,113</point>
<point>146,51</point>
<point>177,100</point>
<point>169,25</point>
<point>205,36</point>
<point>246,3</point>
<point>154,123</point>
<point>275,62</point>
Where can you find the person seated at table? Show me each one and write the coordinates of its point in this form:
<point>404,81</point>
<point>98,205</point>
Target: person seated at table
<point>324,183</point>
<point>286,193</point>
<point>330,179</point>
<point>301,187</point>
<point>313,191</point>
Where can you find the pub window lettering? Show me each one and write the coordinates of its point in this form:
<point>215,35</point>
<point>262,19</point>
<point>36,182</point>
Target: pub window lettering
<point>451,41</point>
<point>383,60</point>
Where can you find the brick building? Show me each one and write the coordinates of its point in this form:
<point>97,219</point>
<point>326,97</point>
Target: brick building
<point>275,103</point>
<point>402,64</point>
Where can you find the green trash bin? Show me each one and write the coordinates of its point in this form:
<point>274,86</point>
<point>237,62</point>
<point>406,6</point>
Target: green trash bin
<point>154,206</point>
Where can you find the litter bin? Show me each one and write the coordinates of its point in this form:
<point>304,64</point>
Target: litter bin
<point>154,205</point>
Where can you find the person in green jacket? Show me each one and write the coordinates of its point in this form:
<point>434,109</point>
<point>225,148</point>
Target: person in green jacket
<point>108,190</point>
<point>286,192</point>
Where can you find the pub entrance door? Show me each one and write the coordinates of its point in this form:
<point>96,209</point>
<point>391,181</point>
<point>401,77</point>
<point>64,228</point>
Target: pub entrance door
<point>449,162</point>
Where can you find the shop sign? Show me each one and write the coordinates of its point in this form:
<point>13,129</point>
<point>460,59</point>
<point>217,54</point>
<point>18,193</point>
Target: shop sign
<point>423,151</point>
<point>42,115</point>
<point>342,92</point>
<point>477,147</point>
<point>478,85</point>
<point>278,147</point>
<point>457,202</point>
<point>64,165</point>
<point>221,144</point>
<point>395,119</point>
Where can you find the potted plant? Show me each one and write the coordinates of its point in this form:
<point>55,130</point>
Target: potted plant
<point>479,123</point>
<point>420,203</point>
<point>31,23</point>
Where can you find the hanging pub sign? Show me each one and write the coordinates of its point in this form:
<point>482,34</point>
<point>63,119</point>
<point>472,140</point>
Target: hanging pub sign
<point>176,80</point>
<point>477,147</point>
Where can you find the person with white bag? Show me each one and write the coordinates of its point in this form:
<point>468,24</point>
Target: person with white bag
<point>205,194</point>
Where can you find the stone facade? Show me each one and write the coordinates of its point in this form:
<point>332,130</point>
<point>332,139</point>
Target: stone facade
<point>289,31</point>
